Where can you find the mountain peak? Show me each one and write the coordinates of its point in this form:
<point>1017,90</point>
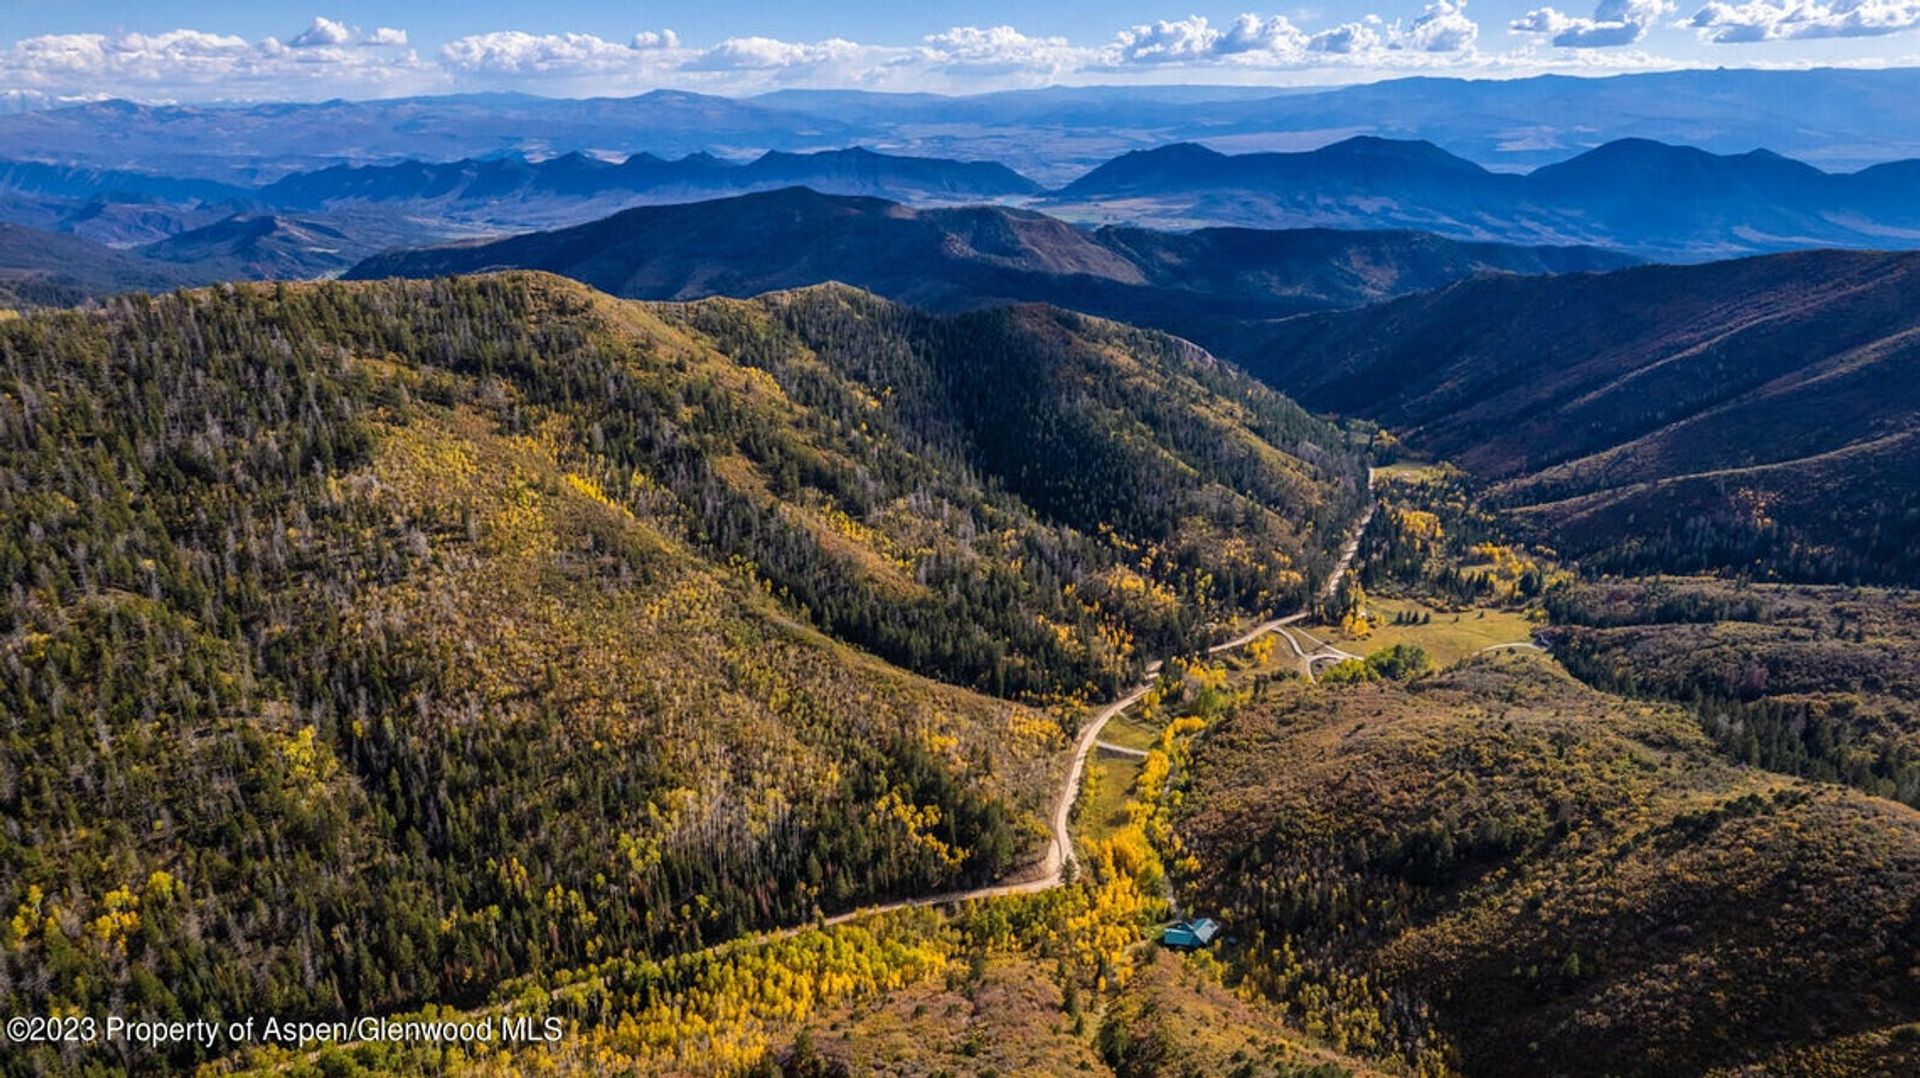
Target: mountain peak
<point>1175,151</point>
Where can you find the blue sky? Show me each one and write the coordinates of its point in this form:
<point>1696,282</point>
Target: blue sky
<point>174,50</point>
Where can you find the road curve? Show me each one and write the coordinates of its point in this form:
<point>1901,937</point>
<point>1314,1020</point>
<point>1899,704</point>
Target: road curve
<point>1060,846</point>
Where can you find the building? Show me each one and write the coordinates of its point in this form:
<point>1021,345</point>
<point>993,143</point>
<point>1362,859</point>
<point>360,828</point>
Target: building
<point>1189,935</point>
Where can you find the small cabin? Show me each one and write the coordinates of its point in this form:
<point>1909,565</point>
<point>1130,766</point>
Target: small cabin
<point>1190,935</point>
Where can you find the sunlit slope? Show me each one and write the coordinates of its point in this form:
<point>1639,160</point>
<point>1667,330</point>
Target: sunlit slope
<point>371,644</point>
<point>1545,879</point>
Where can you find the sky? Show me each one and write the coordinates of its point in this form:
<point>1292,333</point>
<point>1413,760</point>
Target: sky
<point>54,51</point>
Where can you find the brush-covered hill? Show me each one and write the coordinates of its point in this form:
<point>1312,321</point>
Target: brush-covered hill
<point>1204,285</point>
<point>370,644</point>
<point>1754,415</point>
<point>1501,868</point>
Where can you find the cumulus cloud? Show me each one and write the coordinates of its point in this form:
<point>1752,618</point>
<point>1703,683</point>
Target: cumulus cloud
<point>1350,39</point>
<point>1443,27</point>
<point>1003,50</point>
<point>515,53</point>
<point>1253,34</point>
<point>769,54</point>
<point>324,31</point>
<point>330,57</point>
<point>1188,39</point>
<point>1786,20</point>
<point>1614,22</point>
<point>193,63</point>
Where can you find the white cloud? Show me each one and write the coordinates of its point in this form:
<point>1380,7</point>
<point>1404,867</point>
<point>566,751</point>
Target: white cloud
<point>195,64</point>
<point>1189,39</point>
<point>1785,20</point>
<point>515,53</point>
<point>1253,34</point>
<point>1274,41</point>
<point>323,32</point>
<point>1350,39</point>
<point>768,54</point>
<point>1614,22</point>
<point>1003,50</point>
<point>332,58</point>
<point>1443,27</point>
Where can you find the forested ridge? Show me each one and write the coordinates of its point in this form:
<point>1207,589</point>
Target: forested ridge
<point>370,644</point>
<point>1751,417</point>
<point>1807,680</point>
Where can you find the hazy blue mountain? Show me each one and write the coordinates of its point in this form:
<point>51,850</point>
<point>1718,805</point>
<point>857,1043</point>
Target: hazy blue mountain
<point>1668,202</point>
<point>80,182</point>
<point>650,178</point>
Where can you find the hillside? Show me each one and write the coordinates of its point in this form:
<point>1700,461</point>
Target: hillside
<point>424,635</point>
<point>258,246</point>
<point>1203,285</point>
<point>1710,205</point>
<point>1752,415</point>
<point>1805,680</point>
<point>39,268</point>
<point>1500,867</point>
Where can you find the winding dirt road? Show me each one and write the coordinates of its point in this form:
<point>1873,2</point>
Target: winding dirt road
<point>1053,867</point>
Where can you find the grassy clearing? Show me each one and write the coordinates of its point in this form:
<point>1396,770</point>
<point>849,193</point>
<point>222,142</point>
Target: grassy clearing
<point>1408,471</point>
<point>1132,730</point>
<point>1103,797</point>
<point>1449,638</point>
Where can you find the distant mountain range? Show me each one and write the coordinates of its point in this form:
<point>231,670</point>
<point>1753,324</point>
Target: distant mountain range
<point>413,202</point>
<point>1841,119</point>
<point>1664,202</point>
<point>1759,414</point>
<point>855,171</point>
<point>1657,201</point>
<point>1206,285</point>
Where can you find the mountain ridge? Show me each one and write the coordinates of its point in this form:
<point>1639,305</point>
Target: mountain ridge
<point>1708,205</point>
<point>1206,285</point>
<point>1750,415</point>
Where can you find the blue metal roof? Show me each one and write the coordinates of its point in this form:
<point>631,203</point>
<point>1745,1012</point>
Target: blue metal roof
<point>1197,932</point>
